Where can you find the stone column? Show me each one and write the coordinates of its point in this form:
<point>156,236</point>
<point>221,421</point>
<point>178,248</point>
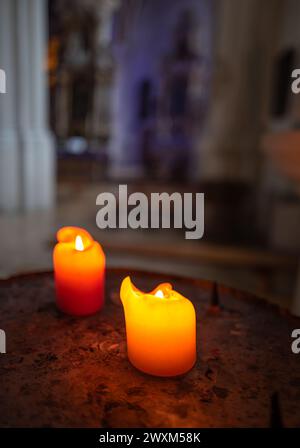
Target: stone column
<point>9,149</point>
<point>40,191</point>
<point>28,180</point>
<point>99,120</point>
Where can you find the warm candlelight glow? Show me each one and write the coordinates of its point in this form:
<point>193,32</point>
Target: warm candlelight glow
<point>79,273</point>
<point>160,329</point>
<point>79,243</point>
<point>159,293</point>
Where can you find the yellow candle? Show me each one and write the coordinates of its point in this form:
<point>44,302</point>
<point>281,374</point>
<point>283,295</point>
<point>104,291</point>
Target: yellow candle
<point>160,329</point>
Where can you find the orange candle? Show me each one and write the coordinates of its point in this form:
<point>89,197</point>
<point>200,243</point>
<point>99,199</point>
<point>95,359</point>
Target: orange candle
<point>160,329</point>
<point>79,267</point>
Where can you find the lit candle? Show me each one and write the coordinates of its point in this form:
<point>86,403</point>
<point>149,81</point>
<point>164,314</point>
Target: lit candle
<point>160,329</point>
<point>79,267</point>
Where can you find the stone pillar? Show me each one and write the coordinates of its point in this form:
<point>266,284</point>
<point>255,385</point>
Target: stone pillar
<point>100,116</point>
<point>38,166</point>
<point>29,159</point>
<point>9,149</point>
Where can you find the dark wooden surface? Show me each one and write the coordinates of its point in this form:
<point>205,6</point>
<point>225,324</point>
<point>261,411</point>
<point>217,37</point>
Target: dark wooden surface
<point>63,371</point>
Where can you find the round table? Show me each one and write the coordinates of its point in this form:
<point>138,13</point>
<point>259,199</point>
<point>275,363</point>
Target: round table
<point>61,371</point>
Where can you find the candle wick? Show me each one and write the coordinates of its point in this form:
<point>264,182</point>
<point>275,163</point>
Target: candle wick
<point>79,243</point>
<point>159,294</point>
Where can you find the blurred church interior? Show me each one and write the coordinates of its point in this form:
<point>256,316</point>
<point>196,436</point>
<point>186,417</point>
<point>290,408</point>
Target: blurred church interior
<point>173,95</point>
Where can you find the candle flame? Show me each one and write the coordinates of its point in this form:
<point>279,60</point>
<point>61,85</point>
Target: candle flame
<point>79,243</point>
<point>159,294</point>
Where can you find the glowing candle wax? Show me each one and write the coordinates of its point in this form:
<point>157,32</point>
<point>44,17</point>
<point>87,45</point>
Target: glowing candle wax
<point>160,329</point>
<point>79,267</point>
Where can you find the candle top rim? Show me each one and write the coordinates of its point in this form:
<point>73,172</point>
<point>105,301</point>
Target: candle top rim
<point>69,235</point>
<point>163,292</point>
